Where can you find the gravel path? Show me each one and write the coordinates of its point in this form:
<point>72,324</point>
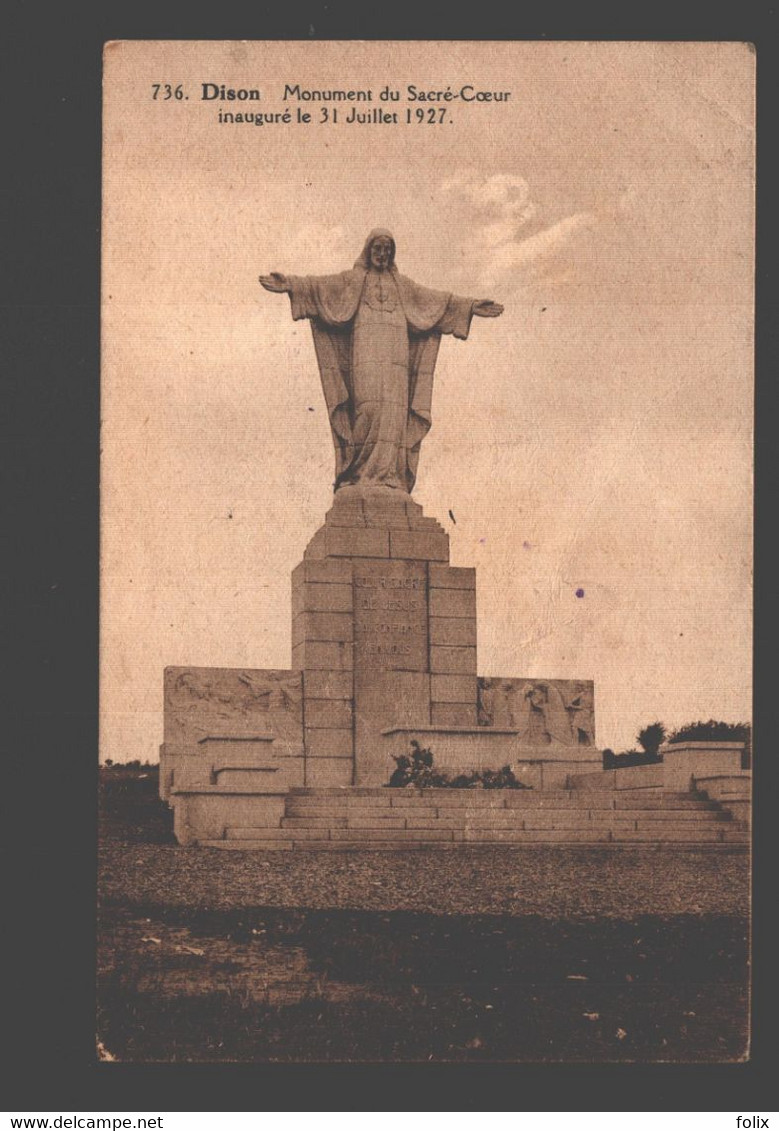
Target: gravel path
<point>547,881</point>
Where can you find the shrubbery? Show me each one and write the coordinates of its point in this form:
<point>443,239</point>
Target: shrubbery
<point>418,771</point>
<point>712,731</point>
<point>130,809</point>
<point>652,737</point>
<point>612,761</point>
<point>136,764</point>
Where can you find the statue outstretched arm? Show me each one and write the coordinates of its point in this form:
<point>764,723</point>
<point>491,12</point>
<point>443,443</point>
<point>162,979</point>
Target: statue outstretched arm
<point>275,282</point>
<point>459,311</point>
<point>332,299</point>
<point>486,308</point>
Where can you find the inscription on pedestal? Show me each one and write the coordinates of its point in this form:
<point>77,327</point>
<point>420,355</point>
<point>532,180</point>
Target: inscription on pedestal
<point>390,616</point>
<point>392,656</point>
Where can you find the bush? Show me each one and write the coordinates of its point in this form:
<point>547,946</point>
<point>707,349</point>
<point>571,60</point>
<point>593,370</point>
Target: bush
<point>714,731</point>
<point>651,738</point>
<point>612,761</point>
<point>418,771</point>
<point>129,808</point>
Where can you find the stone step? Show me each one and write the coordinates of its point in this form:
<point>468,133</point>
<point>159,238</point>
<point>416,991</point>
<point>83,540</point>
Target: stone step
<point>324,815</point>
<point>382,819</point>
<point>364,812</point>
<point>509,799</point>
<point>296,809</point>
<point>333,845</point>
<point>594,834</point>
<point>413,804</point>
<point>249,833</point>
<point>621,801</point>
<point>494,830</point>
<point>680,831</point>
<point>456,798</point>
<point>680,795</point>
<point>380,823</point>
<point>705,813</point>
<point>502,819</point>
<point>378,845</point>
<point>313,822</point>
<point>399,834</point>
<point>337,791</point>
<point>723,833</point>
<point>372,794</point>
<point>621,818</point>
<point>740,809</point>
<point>325,812</point>
<point>740,784</point>
<point>300,807</point>
<point>527,821</point>
<point>411,797</point>
<point>537,822</point>
<point>456,812</point>
<point>341,804</point>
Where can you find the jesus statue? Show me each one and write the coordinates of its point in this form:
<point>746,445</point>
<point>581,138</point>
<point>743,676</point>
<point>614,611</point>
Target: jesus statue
<point>376,336</point>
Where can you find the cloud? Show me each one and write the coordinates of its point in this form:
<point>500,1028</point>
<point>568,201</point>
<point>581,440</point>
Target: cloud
<point>500,214</point>
<point>501,201</point>
<point>541,255</point>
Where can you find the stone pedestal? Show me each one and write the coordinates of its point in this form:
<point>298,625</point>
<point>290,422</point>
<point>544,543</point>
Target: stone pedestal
<point>384,632</point>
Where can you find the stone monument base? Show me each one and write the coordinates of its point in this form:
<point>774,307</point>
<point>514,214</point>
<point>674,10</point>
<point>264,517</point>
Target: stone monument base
<point>383,651</point>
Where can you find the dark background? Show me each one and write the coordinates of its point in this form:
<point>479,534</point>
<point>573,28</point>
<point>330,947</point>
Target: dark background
<point>50,444</point>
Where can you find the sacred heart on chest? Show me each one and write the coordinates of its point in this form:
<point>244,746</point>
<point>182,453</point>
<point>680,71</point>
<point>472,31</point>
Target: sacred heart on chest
<point>380,291</point>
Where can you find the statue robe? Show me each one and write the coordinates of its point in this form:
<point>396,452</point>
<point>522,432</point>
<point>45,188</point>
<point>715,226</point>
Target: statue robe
<point>376,336</point>
<point>558,720</point>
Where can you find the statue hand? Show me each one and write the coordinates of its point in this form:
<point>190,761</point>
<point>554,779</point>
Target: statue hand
<point>486,308</point>
<point>275,282</point>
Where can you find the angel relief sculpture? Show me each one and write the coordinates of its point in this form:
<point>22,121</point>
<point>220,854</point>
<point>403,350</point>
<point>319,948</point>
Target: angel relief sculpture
<point>544,712</point>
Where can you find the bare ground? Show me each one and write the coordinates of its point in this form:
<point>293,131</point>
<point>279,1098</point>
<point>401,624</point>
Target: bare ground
<point>486,954</point>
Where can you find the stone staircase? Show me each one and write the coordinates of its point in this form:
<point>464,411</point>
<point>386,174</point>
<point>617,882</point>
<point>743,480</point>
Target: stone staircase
<point>733,792</point>
<point>383,818</point>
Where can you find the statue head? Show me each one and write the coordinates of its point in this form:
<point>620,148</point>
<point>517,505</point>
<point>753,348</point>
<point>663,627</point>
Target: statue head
<point>382,252</point>
<point>537,694</point>
<point>378,253</point>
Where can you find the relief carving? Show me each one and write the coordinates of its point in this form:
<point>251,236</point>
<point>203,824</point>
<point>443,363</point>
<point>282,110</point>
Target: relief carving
<point>543,711</point>
<point>232,702</point>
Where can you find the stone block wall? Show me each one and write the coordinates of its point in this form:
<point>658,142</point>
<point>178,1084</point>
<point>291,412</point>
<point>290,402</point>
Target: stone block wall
<point>453,690</point>
<point>690,765</point>
<point>684,763</point>
<point>379,642</point>
<point>228,720</point>
<point>323,649</point>
<point>384,632</point>
<point>200,815</point>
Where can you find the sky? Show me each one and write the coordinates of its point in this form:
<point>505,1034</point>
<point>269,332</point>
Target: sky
<point>595,438</point>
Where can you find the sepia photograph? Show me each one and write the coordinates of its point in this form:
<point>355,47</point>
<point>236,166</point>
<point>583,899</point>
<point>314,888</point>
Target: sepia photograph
<point>426,552</point>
